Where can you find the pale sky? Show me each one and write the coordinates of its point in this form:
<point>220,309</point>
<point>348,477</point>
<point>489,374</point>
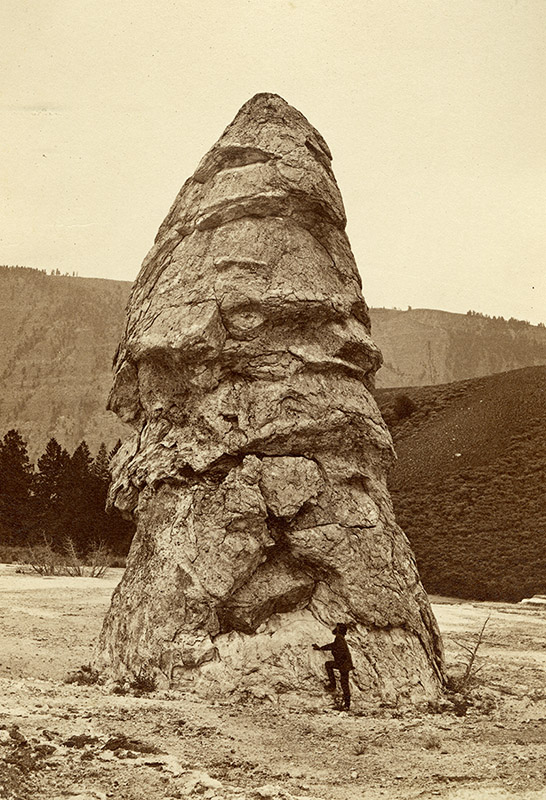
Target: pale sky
<point>435,112</point>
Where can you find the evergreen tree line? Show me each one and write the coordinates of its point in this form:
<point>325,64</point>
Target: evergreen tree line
<point>9,267</point>
<point>511,322</point>
<point>63,497</point>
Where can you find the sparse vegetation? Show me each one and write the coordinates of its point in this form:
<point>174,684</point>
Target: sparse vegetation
<point>462,685</point>
<point>468,486</point>
<point>471,666</point>
<point>47,561</point>
<point>144,682</point>
<point>42,559</point>
<point>86,675</point>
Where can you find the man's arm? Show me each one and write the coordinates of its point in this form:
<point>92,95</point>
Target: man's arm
<point>324,646</point>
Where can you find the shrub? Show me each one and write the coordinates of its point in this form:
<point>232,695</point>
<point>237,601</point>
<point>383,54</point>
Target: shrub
<point>144,682</point>
<point>404,406</point>
<point>46,561</point>
<point>98,560</point>
<point>84,676</point>
<point>43,559</point>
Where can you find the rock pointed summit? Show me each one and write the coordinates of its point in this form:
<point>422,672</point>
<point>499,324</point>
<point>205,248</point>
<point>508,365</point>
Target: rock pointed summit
<point>257,470</point>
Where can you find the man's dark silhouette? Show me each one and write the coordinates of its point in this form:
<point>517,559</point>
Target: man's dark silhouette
<point>342,662</point>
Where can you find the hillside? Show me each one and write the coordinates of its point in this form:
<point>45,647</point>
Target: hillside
<point>469,487</point>
<point>422,347</point>
<point>58,337</point>
<point>59,334</point>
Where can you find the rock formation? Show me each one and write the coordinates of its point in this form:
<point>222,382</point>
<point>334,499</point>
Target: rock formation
<point>257,471</point>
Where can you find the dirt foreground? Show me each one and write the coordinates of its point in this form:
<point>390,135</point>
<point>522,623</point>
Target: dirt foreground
<point>67,741</point>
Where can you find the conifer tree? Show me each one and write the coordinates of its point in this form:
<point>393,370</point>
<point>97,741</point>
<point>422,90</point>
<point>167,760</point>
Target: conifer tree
<point>15,490</point>
<point>99,481</point>
<point>50,490</point>
<point>101,464</point>
<point>78,516</point>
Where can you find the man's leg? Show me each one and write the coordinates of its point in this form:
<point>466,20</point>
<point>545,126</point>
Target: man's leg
<point>344,680</point>
<point>329,666</point>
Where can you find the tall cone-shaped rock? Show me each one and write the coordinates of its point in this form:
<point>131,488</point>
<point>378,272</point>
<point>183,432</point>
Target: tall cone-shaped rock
<point>257,471</point>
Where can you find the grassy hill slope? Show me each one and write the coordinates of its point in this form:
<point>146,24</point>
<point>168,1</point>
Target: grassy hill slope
<point>58,337</point>
<point>469,488</point>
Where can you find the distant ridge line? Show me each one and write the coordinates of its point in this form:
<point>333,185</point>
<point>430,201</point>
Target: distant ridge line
<point>59,333</point>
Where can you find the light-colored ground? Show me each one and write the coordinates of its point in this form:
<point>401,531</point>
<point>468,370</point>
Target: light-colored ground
<point>48,626</point>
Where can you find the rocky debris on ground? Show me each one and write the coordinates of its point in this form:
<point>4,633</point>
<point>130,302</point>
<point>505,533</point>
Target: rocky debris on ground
<point>81,793</point>
<point>122,742</point>
<point>444,745</point>
<point>257,468</point>
<point>273,792</point>
<point>80,740</point>
<point>397,753</point>
<point>29,754</point>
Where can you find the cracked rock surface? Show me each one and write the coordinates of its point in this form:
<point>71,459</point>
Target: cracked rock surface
<point>257,468</point>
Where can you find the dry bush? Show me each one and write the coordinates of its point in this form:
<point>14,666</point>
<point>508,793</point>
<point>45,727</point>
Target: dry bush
<point>462,682</point>
<point>463,688</point>
<point>144,683</point>
<point>98,560</point>
<point>41,558</point>
<point>74,566</point>
<point>86,675</point>
<point>121,686</point>
<point>46,561</point>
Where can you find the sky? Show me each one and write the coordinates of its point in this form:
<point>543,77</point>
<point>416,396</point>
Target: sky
<point>434,110</point>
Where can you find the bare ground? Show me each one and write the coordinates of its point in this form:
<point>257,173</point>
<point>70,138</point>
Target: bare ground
<point>78,742</point>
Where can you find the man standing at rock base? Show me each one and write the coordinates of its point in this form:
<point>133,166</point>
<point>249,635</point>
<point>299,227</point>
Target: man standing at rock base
<point>342,662</point>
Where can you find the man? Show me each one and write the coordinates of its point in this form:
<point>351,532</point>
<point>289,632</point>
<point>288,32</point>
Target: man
<point>342,662</point>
